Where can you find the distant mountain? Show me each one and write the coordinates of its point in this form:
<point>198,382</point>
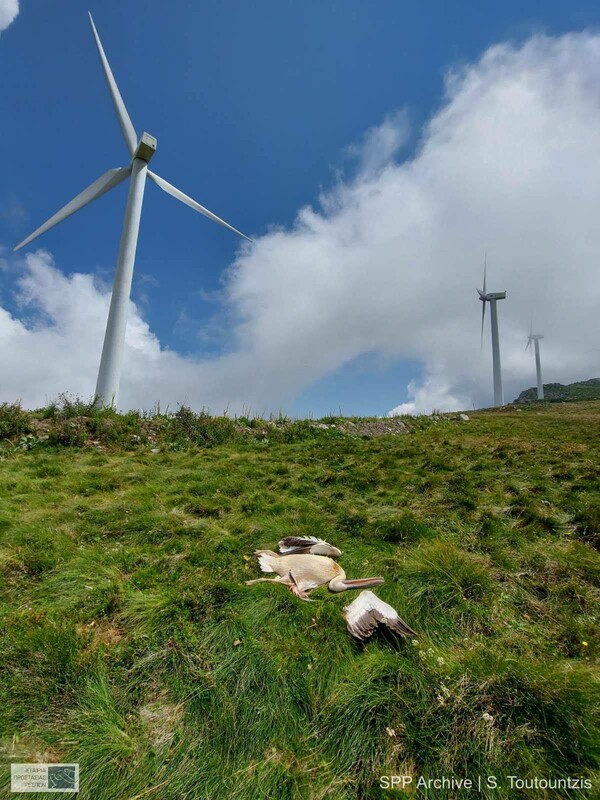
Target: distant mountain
<point>559,393</point>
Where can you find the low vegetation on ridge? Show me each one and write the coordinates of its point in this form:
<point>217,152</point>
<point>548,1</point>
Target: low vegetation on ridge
<point>564,393</point>
<point>71,422</point>
<point>130,644</point>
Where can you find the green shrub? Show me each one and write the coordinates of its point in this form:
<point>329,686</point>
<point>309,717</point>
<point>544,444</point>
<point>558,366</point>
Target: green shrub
<point>67,406</point>
<point>13,421</point>
<point>123,429</point>
<point>299,431</point>
<point>69,432</point>
<point>186,427</point>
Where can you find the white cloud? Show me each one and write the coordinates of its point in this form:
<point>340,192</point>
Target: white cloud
<point>388,262</point>
<point>380,144</point>
<point>8,11</point>
<point>432,394</point>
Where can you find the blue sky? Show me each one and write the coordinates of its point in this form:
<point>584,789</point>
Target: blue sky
<point>254,105</point>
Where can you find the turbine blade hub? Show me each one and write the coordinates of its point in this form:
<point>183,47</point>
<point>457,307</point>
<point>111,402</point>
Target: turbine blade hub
<point>146,147</point>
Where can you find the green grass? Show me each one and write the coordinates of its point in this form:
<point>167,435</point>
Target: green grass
<point>130,644</point>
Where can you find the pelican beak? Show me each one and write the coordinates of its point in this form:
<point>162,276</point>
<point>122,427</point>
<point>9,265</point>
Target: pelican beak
<point>363,583</point>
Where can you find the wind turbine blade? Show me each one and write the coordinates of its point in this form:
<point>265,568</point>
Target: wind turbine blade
<point>484,272</point>
<point>99,187</point>
<point>528,344</point>
<point>482,321</point>
<point>179,195</point>
<point>127,128</point>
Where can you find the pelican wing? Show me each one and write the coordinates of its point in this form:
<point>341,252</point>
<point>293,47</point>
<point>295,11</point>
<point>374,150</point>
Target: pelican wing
<point>365,613</point>
<point>307,544</point>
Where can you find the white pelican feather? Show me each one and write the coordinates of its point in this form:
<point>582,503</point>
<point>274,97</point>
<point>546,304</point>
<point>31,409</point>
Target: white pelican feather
<point>364,614</point>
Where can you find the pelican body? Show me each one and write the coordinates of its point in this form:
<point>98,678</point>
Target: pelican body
<point>303,572</point>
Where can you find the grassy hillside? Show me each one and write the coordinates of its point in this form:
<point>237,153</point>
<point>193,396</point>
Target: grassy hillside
<point>564,393</point>
<point>129,643</point>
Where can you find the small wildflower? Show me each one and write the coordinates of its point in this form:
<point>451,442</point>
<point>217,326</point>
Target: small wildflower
<point>390,731</point>
<point>487,717</point>
<point>237,643</point>
<point>440,660</point>
<point>415,642</point>
<point>584,644</point>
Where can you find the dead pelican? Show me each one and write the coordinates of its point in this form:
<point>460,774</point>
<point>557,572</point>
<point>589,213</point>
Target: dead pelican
<point>303,572</point>
<point>304,564</point>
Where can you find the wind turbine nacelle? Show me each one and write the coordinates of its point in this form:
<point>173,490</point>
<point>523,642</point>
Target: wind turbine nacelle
<point>146,147</point>
<point>496,296</point>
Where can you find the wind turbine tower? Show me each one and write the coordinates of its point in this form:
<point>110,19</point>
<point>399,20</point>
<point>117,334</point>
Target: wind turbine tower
<point>535,338</point>
<point>492,298</point>
<point>141,150</point>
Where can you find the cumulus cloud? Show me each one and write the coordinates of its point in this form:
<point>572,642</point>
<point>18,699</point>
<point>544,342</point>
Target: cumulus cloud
<point>380,144</point>
<point>53,345</point>
<point>390,261</point>
<point>8,11</point>
<point>387,262</point>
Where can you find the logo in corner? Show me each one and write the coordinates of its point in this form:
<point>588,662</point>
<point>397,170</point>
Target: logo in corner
<point>44,777</point>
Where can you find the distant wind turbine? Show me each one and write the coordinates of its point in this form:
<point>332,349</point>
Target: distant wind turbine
<point>141,151</point>
<point>535,338</point>
<point>492,298</point>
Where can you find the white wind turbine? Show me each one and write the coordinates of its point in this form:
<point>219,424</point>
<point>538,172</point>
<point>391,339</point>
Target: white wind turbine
<point>141,151</point>
<point>535,338</point>
<point>492,298</point>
